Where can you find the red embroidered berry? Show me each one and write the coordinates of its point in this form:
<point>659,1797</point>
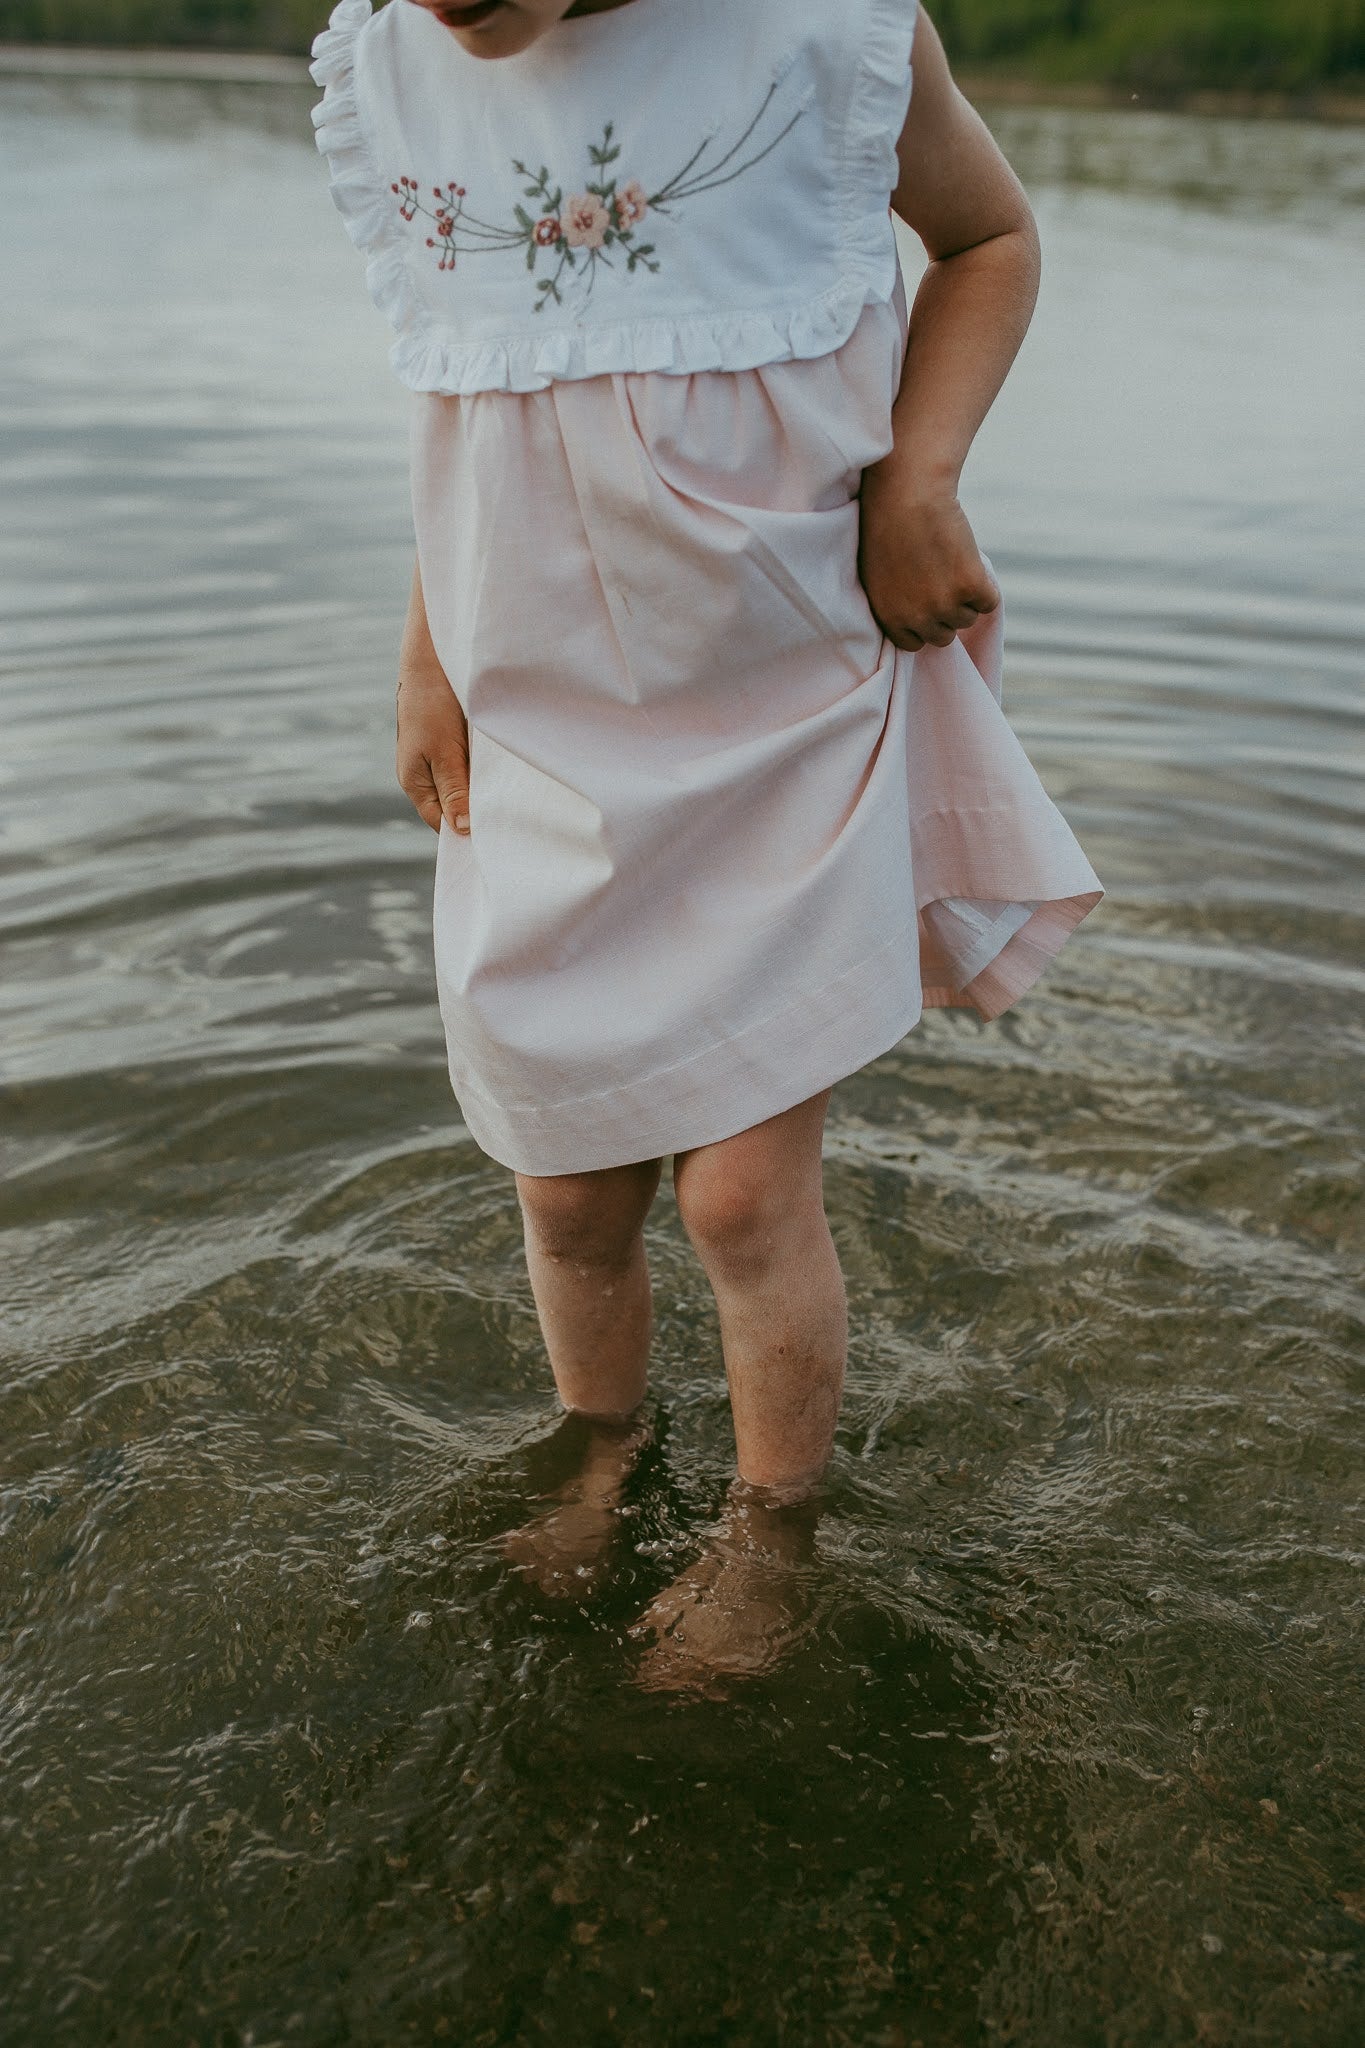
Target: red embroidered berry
<point>430,243</point>
<point>393,188</point>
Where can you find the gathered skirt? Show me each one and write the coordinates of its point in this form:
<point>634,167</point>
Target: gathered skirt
<point>726,840</point>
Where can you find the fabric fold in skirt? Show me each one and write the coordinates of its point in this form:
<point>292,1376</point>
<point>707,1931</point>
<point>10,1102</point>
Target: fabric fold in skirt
<point>727,842</point>
<point>1000,881</point>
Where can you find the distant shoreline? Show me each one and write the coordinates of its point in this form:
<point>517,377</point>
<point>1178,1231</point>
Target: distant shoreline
<point>226,67</point>
<point>1322,104</point>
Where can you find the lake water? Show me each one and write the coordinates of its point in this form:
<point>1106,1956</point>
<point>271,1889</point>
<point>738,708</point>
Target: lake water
<point>1072,1753</point>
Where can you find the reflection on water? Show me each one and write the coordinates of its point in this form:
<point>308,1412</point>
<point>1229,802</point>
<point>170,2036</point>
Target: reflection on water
<point>1071,1752</point>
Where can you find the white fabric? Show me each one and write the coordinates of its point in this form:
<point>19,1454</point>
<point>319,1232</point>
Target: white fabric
<point>744,160</point>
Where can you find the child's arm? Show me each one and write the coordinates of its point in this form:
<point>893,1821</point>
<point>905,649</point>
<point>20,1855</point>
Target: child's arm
<point>919,562</point>
<point>433,739</point>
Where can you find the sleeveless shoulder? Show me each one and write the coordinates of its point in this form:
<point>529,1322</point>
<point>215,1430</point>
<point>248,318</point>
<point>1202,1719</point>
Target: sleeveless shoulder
<point>674,185</point>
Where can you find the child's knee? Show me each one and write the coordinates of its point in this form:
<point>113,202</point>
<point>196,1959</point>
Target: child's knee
<point>734,1217</point>
<point>587,1218</point>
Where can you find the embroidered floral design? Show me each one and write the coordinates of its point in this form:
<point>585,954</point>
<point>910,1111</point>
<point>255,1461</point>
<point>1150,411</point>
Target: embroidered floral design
<point>631,204</point>
<point>579,231</point>
<point>586,221</point>
<point>443,217</point>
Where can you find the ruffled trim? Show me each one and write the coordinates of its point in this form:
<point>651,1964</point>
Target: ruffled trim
<point>877,111</point>
<point>358,191</point>
<point>427,357</point>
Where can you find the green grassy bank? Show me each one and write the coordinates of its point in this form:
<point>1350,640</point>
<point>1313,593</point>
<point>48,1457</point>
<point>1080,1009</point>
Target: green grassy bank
<point>1157,47</point>
<point>1162,46</point>
<point>281,25</point>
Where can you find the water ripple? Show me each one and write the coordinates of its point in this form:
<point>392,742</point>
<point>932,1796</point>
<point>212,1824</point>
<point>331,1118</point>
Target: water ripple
<point>1070,1749</point>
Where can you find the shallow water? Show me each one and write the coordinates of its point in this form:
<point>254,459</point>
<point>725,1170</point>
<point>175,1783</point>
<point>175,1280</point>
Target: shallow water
<point>1072,1752</point>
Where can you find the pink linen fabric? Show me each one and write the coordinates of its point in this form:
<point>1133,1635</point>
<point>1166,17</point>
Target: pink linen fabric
<point>726,840</point>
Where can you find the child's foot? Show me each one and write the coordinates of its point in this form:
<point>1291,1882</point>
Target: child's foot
<point>565,1550</point>
<point>739,1609</point>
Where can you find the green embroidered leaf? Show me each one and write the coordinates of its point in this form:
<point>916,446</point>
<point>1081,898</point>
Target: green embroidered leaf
<point>523,216</point>
<point>530,255</point>
<point>609,156</point>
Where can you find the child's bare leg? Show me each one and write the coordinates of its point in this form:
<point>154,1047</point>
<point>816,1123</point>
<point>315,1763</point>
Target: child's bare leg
<point>586,1255</point>
<point>566,1546</point>
<point>753,1206</point>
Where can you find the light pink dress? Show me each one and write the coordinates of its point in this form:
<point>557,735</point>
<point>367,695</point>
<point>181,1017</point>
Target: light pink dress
<point>726,840</point>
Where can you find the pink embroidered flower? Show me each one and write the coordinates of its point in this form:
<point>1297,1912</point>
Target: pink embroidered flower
<point>585,221</point>
<point>631,204</point>
<point>548,230</point>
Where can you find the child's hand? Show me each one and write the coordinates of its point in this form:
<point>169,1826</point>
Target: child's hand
<point>433,739</point>
<point>433,749</point>
<point>921,567</point>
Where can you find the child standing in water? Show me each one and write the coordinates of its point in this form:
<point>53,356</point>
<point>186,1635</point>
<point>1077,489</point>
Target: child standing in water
<point>700,680</point>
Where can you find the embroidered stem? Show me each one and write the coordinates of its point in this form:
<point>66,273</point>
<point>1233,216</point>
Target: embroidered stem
<point>711,184</point>
<point>672,189</point>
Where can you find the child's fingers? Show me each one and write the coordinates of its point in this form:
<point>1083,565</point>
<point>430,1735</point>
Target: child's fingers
<point>986,596</point>
<point>450,777</point>
<point>933,632</point>
<point>941,627</point>
<point>433,760</point>
<point>420,791</point>
<point>417,778</point>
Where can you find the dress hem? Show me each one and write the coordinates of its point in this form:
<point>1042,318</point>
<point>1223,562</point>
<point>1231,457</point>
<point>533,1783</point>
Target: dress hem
<point>786,1066</point>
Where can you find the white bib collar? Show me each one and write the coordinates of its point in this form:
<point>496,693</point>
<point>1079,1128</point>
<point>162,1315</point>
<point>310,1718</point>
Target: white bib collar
<point>675,185</point>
